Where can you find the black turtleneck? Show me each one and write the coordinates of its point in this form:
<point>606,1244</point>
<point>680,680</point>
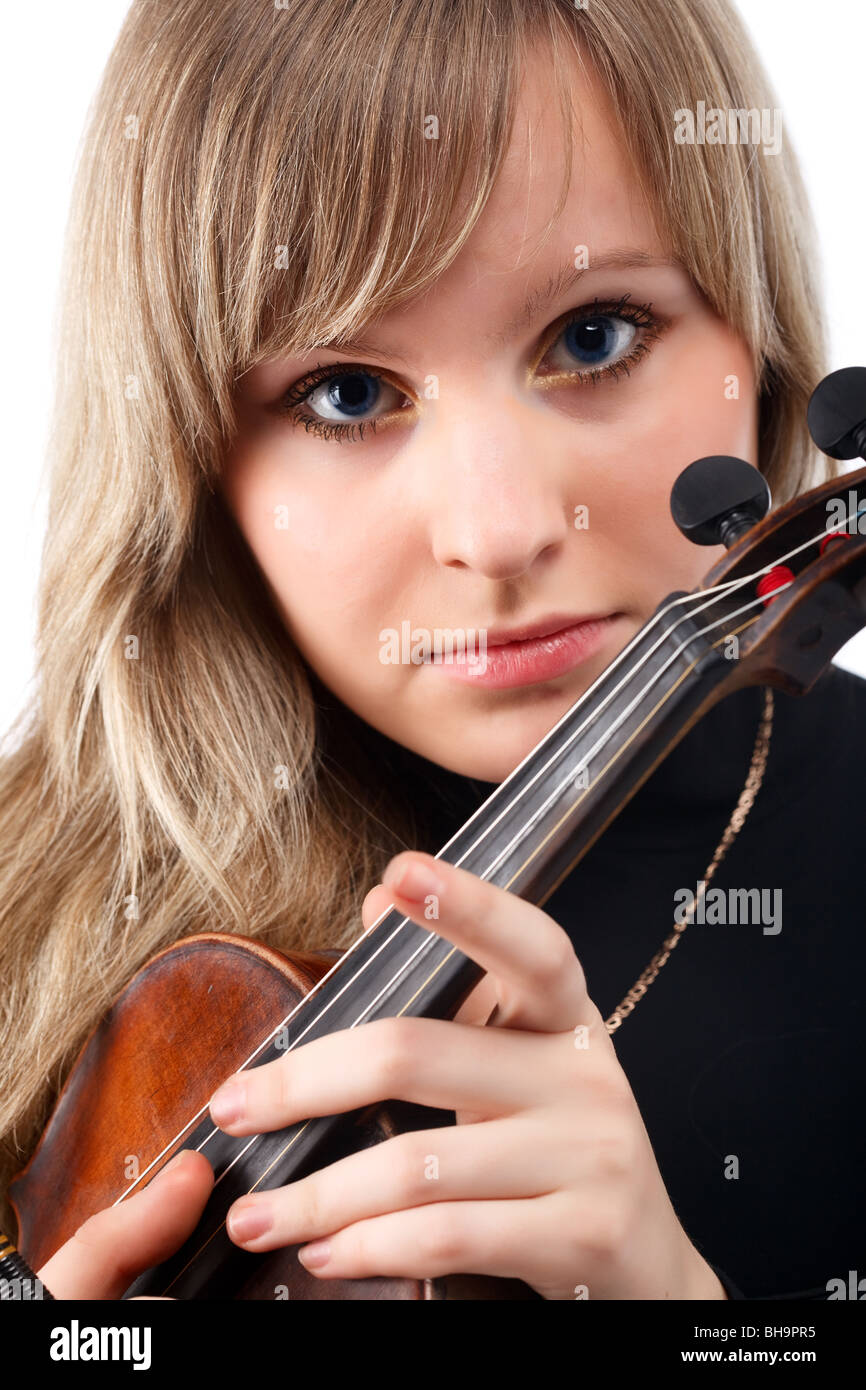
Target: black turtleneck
<point>746,1053</point>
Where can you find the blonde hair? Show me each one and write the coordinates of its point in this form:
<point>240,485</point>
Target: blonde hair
<point>182,769</point>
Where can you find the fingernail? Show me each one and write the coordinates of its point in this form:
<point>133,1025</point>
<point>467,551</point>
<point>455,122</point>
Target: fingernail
<point>413,880</point>
<point>227,1104</point>
<point>315,1255</point>
<point>248,1222</point>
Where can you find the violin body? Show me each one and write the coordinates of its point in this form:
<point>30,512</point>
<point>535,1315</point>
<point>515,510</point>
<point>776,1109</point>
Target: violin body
<point>185,1022</point>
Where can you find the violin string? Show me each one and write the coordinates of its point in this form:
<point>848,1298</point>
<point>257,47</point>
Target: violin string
<point>710,595</point>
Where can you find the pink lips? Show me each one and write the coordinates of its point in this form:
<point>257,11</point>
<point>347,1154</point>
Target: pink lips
<point>528,660</point>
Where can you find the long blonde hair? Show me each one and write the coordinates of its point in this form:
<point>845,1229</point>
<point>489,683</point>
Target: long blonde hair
<point>254,180</point>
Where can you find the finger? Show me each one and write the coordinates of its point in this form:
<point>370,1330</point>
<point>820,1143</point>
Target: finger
<point>520,1157</point>
<point>111,1248</point>
<point>375,905</point>
<point>451,1066</point>
<point>540,980</point>
<point>482,1000</point>
<point>479,1006</point>
<point>509,1239</point>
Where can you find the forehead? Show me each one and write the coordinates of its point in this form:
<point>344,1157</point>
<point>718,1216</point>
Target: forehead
<point>604,205</point>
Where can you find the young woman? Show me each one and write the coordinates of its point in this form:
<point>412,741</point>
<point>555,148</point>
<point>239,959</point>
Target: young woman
<point>367,307</point>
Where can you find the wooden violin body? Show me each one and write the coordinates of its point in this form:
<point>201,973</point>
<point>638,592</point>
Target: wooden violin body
<point>186,1021</point>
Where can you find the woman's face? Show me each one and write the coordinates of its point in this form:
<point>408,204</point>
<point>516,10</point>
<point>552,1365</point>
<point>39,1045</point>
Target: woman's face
<point>501,487</point>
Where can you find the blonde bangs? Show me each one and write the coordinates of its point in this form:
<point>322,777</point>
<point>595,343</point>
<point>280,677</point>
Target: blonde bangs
<point>426,121</point>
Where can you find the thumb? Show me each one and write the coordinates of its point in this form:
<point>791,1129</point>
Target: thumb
<point>107,1252</point>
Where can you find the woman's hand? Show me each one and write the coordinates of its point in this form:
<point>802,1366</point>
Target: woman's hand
<point>548,1176</point>
<point>111,1248</point>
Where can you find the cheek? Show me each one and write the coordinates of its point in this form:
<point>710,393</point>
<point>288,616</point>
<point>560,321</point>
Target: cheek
<point>288,533</point>
<point>330,557</point>
<point>711,407</point>
<point>704,403</point>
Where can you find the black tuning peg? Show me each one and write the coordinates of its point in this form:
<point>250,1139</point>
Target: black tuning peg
<point>716,499</point>
<point>836,414</point>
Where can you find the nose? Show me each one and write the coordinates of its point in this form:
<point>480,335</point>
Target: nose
<point>497,502</point>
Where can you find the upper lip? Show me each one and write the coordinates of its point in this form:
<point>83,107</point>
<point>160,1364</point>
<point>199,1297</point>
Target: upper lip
<point>543,627</point>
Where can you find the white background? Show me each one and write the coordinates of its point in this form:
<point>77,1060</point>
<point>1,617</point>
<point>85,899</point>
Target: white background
<point>55,54</point>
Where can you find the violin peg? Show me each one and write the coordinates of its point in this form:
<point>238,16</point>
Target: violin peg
<point>717,498</point>
<point>836,414</point>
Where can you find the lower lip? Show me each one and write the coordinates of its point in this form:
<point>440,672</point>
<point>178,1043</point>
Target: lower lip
<point>536,659</point>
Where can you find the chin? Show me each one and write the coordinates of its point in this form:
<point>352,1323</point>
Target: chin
<point>491,744</point>
<point>486,759</point>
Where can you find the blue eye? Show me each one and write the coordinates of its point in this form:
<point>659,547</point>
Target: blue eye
<point>351,394</point>
<point>594,340</point>
<point>605,339</point>
<point>341,399</point>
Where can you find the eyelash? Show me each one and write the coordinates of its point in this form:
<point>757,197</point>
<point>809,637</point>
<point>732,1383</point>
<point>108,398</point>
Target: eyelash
<point>640,315</point>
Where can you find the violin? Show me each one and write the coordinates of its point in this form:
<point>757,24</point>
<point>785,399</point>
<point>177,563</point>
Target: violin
<point>789,592</point>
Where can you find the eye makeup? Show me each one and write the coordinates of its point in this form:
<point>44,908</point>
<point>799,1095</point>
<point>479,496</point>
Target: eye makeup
<point>591,321</point>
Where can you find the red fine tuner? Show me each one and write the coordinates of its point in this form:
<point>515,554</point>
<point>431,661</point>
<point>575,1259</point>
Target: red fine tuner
<point>828,540</point>
<point>774,579</point>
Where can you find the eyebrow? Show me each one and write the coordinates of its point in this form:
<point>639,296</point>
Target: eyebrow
<point>623,258</point>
